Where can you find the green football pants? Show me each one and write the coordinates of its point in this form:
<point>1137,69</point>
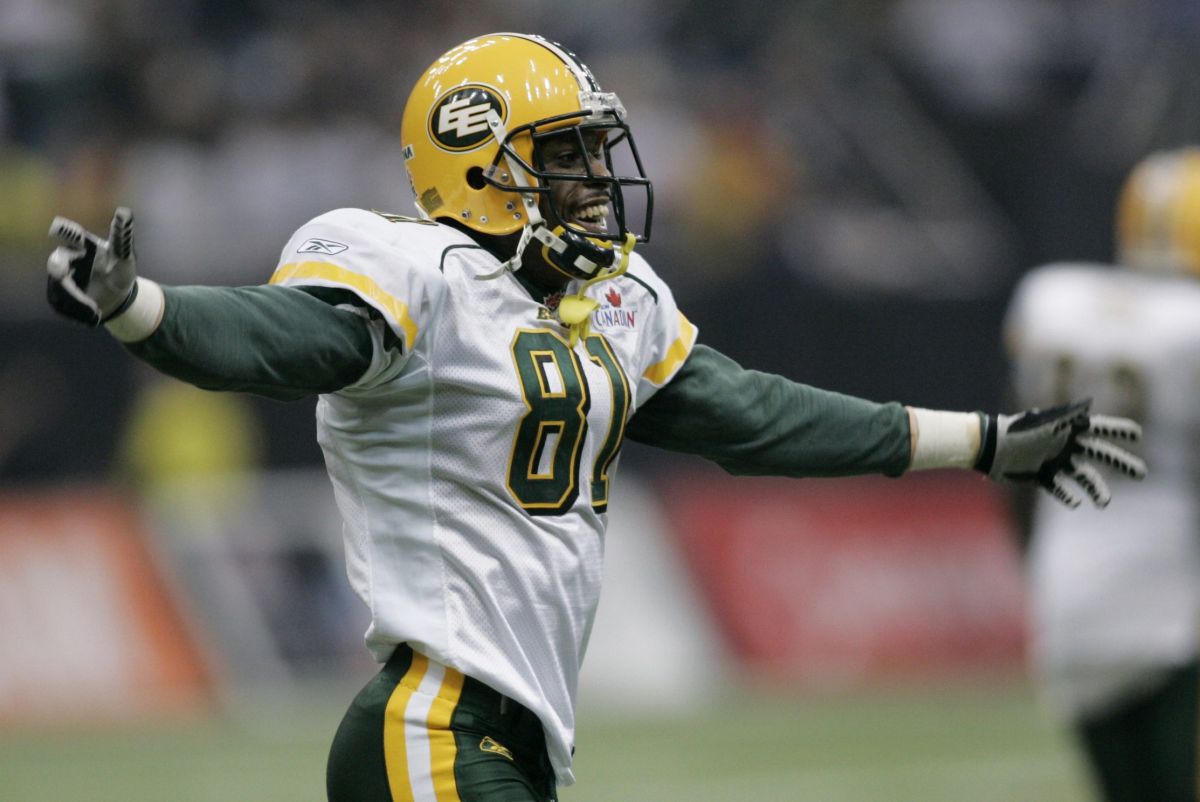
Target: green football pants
<point>1144,750</point>
<point>422,732</point>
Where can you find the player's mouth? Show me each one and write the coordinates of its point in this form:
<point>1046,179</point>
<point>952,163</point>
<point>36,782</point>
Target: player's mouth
<point>592,216</point>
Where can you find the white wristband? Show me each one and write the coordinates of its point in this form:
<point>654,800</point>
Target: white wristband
<point>944,439</point>
<point>143,315</point>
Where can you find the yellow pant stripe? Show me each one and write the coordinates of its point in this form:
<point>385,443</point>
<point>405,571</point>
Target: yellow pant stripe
<point>395,747</point>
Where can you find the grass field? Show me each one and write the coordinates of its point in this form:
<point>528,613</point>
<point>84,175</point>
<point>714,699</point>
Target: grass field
<point>950,743</point>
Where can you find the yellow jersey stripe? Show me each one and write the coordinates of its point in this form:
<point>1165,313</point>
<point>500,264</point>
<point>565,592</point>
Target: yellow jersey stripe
<point>442,748</point>
<point>325,271</point>
<point>395,747</point>
<point>660,371</point>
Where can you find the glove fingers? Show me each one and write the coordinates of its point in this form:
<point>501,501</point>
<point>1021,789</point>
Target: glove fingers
<point>1114,428</point>
<point>68,233</point>
<point>1059,490</point>
<point>1087,477</point>
<point>1113,456</point>
<point>120,233</point>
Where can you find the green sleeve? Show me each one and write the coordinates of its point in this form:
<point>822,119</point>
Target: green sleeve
<point>753,423</point>
<point>280,342</point>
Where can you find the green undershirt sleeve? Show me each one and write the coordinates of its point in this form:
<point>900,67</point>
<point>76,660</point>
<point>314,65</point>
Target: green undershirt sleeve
<point>281,342</point>
<point>753,423</point>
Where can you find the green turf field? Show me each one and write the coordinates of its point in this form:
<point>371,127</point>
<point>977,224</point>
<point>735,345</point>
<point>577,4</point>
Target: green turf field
<point>945,744</point>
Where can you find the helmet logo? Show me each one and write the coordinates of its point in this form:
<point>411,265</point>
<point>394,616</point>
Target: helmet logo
<point>458,121</point>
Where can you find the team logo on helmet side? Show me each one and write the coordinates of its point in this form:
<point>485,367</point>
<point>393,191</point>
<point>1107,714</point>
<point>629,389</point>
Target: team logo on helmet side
<point>458,122</point>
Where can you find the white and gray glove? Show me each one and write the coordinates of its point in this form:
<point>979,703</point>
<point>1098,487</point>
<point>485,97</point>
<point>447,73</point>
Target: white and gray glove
<point>1050,446</point>
<point>92,280</point>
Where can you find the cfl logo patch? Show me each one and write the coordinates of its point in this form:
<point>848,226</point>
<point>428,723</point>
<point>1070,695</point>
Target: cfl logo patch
<point>458,122</point>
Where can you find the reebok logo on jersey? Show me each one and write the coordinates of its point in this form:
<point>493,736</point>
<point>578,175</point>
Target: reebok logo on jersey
<point>488,745</point>
<point>325,246</point>
<point>458,121</point>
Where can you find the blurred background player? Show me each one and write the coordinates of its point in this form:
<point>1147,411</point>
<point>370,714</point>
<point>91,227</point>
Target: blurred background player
<point>479,368</point>
<point>1116,597</point>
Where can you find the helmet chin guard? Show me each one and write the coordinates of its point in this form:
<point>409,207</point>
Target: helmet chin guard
<point>573,254</point>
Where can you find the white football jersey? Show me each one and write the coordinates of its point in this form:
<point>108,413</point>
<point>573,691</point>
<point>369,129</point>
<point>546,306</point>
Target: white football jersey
<point>473,461</point>
<point>1115,592</point>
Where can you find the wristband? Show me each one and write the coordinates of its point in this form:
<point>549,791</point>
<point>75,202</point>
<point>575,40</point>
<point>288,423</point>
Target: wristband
<point>945,439</point>
<point>987,452</point>
<point>143,314</point>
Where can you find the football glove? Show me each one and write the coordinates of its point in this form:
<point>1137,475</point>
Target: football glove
<point>1050,446</point>
<point>92,280</point>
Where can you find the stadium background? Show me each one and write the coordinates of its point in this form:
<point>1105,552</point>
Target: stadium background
<point>846,192</point>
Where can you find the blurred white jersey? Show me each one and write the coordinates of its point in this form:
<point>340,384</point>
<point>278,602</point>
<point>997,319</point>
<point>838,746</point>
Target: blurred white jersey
<point>472,462</point>
<point>1115,592</point>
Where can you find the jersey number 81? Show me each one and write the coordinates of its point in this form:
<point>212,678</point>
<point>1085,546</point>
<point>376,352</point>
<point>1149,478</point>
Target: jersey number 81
<point>557,400</point>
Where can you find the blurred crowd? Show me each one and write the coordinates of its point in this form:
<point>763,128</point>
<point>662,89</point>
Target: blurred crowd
<point>845,191</point>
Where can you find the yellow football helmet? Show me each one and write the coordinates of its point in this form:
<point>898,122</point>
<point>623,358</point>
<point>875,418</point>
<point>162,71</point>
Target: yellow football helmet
<point>469,135</point>
<point>1158,214</point>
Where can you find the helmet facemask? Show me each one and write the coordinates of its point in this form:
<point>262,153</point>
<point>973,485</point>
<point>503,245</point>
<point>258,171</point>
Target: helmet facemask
<point>580,249</point>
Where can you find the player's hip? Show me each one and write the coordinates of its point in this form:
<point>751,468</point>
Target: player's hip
<point>424,732</point>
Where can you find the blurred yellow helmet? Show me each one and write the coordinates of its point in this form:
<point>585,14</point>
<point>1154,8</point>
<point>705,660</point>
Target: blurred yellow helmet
<point>1158,214</point>
<point>469,132</point>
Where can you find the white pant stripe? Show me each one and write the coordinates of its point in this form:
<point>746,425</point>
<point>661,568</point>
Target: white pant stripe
<point>416,733</point>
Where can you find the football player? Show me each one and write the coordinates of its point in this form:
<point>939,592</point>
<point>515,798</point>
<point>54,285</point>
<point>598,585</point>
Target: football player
<point>478,368</point>
<point>1116,597</point>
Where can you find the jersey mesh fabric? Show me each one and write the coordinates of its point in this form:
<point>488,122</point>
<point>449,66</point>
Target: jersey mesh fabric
<point>439,543</point>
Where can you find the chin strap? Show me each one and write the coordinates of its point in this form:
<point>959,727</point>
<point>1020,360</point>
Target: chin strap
<point>575,311</point>
<point>513,262</point>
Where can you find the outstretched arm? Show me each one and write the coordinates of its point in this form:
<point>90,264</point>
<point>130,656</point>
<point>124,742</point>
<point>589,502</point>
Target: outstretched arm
<point>757,423</point>
<point>280,342</point>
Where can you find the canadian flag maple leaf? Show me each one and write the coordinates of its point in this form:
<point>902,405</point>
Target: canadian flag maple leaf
<point>613,297</point>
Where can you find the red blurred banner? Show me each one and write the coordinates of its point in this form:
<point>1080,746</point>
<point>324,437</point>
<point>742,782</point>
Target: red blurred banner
<point>840,581</point>
<point>88,628</point>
